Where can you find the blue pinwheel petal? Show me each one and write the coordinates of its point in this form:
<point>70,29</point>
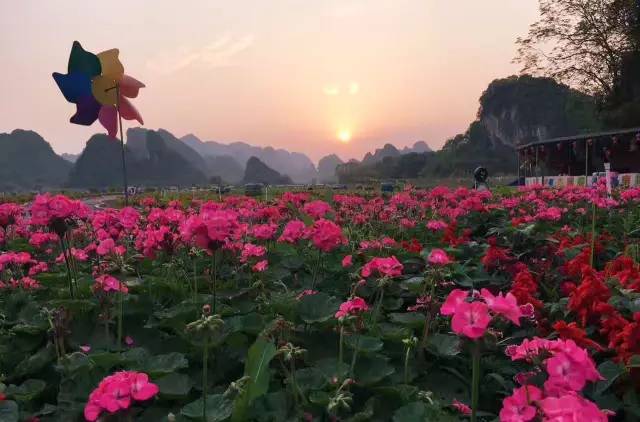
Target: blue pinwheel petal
<point>87,111</point>
<point>83,61</point>
<point>73,85</point>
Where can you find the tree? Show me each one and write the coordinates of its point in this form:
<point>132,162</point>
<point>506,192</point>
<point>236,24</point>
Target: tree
<point>582,43</point>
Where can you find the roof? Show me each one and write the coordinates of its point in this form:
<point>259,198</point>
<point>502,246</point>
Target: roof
<point>581,137</point>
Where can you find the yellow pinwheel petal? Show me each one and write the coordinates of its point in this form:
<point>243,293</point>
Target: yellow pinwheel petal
<point>111,65</point>
<point>104,90</point>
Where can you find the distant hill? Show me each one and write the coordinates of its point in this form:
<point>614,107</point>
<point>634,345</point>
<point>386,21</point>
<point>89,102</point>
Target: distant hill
<point>224,167</point>
<point>100,165</point>
<point>327,168</point>
<point>419,147</point>
<point>27,162</point>
<point>258,172</point>
<point>297,165</point>
<point>513,111</point>
<point>389,150</point>
<point>379,154</point>
<point>188,153</point>
<point>70,157</point>
<point>522,109</point>
<point>151,161</point>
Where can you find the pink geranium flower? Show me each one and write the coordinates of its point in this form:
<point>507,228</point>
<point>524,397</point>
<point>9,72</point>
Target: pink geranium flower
<point>386,267</point>
<point>317,209</point>
<point>455,298</point>
<point>354,306</point>
<point>261,266</point>
<point>438,257</point>
<point>293,231</point>
<point>519,407</point>
<point>326,235</point>
<point>250,250</point>
<point>117,392</point>
<point>461,407</point>
<point>471,319</point>
<point>347,261</point>
<point>503,305</point>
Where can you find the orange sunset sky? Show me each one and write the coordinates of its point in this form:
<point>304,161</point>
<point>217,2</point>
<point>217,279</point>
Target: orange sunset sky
<point>319,77</point>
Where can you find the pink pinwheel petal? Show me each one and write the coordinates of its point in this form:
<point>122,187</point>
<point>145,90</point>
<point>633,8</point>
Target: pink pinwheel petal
<point>108,118</point>
<point>128,111</point>
<point>129,86</point>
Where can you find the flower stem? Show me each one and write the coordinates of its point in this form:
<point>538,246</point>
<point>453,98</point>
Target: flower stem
<point>377,308</point>
<point>340,351</point>
<point>195,281</point>
<point>215,279</point>
<point>593,234</point>
<point>355,356</point>
<point>66,260</point>
<point>406,365</point>
<point>475,380</point>
<point>120,318</point>
<point>205,358</point>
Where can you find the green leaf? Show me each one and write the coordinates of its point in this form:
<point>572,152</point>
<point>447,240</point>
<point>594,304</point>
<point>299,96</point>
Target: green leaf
<point>319,307</point>
<point>372,369</point>
<point>166,364</point>
<point>419,411</point>
<point>412,412</point>
<point>218,408</point>
<point>610,371</point>
<point>444,345</point>
<point>257,369</point>
<point>8,411</point>
<point>36,362</point>
<point>409,319</point>
<point>310,379</point>
<point>174,386</point>
<point>413,284</point>
<point>27,391</point>
<point>319,397</point>
<point>364,343</point>
<point>634,362</point>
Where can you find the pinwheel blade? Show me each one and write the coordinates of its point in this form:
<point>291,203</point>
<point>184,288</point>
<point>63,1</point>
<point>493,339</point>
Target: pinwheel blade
<point>110,63</point>
<point>87,111</point>
<point>129,87</point>
<point>108,118</point>
<point>83,61</point>
<point>73,85</point>
<point>128,111</point>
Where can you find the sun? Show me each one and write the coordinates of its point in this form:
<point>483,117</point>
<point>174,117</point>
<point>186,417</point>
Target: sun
<point>344,136</point>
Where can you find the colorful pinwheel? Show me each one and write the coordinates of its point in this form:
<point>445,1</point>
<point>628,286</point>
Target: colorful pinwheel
<point>98,87</point>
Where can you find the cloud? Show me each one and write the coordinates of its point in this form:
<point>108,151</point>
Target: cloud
<point>346,9</point>
<point>331,90</point>
<point>218,53</point>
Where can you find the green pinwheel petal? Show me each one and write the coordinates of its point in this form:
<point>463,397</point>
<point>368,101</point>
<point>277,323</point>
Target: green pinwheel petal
<point>83,61</point>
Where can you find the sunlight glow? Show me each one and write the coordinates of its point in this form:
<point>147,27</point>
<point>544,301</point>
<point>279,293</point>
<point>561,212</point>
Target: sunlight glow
<point>344,136</point>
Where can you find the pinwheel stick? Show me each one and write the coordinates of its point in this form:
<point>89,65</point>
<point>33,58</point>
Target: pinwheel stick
<point>124,160</point>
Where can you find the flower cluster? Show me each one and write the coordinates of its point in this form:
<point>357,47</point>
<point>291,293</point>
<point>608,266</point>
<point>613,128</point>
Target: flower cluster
<point>471,318</point>
<point>56,211</point>
<point>567,368</point>
<point>352,307</point>
<point>118,392</point>
<point>107,283</point>
<point>385,267</point>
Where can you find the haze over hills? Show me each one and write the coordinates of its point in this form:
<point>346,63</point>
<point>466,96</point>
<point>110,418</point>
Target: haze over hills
<point>512,110</point>
<point>294,164</point>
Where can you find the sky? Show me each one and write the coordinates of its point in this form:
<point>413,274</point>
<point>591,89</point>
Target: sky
<point>319,77</point>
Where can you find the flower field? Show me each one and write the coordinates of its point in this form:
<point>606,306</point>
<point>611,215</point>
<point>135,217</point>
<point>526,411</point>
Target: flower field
<point>427,305</point>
